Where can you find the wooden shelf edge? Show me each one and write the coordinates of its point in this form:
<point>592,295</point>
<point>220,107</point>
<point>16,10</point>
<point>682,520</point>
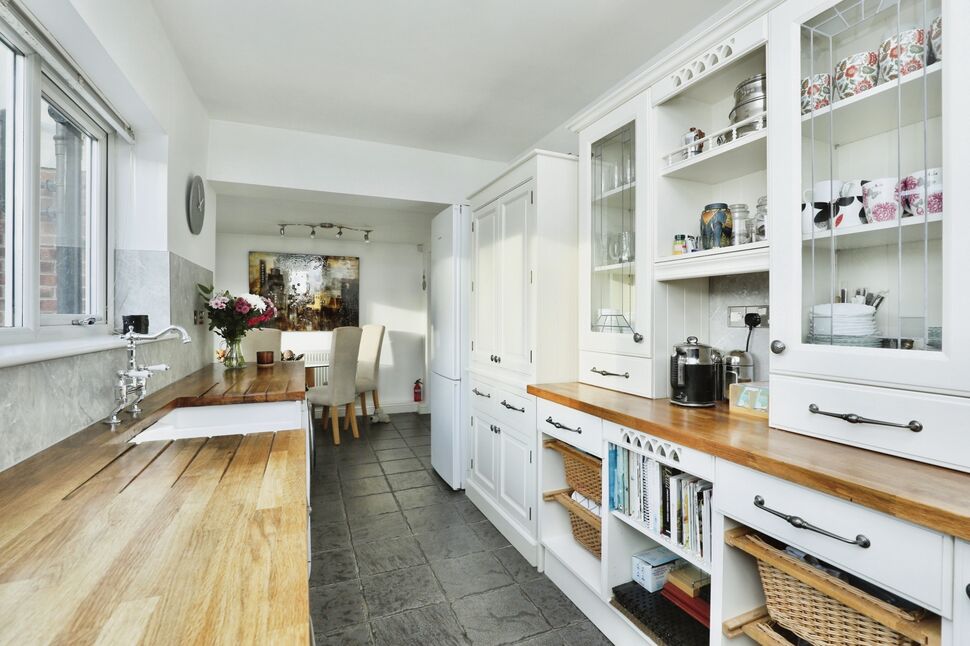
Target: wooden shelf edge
<point>562,496</point>
<point>735,626</point>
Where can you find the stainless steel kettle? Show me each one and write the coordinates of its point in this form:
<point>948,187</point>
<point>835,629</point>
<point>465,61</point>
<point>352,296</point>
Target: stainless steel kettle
<point>738,368</point>
<point>695,374</point>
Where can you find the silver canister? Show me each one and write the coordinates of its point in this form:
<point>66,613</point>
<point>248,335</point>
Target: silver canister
<point>737,368</point>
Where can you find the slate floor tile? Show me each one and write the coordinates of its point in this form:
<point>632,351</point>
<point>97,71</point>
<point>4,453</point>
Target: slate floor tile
<point>380,503</point>
<point>358,635</point>
<point>422,451</point>
<point>470,574</point>
<point>379,445</point>
<point>583,633</point>
<point>387,455</point>
<point>387,555</point>
<point>429,626</point>
<point>450,542</point>
<point>516,564</point>
<point>421,497</point>
<point>414,431</point>
<point>354,471</point>
<point>551,638</point>
<point>469,511</point>
<point>434,517</point>
<point>410,480</point>
<point>327,511</point>
<point>365,529</point>
<point>401,590</point>
<point>365,486</point>
<point>418,440</point>
<point>426,461</point>
<point>402,466</point>
<point>337,606</point>
<point>328,536</point>
<point>491,538</point>
<point>333,566</point>
<point>499,617</point>
<point>551,602</point>
<point>355,458</point>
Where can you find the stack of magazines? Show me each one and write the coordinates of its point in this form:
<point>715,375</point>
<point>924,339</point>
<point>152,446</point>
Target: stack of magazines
<point>667,501</point>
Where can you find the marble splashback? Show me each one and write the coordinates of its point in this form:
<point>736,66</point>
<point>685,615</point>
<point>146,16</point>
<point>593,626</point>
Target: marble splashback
<point>743,289</point>
<point>134,269</point>
<point>42,403</point>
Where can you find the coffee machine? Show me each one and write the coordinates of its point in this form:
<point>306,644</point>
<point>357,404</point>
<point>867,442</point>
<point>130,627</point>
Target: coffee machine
<point>695,374</point>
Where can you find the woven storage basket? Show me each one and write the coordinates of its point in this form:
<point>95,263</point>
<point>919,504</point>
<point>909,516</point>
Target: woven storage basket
<point>586,526</point>
<point>583,471</point>
<point>815,616</point>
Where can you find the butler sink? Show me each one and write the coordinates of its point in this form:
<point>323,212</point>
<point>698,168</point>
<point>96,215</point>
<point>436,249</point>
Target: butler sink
<point>230,419</point>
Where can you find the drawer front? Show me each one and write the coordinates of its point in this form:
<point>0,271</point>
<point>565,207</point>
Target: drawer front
<point>904,558</point>
<point>617,372</point>
<point>516,409</point>
<point>942,439</point>
<point>484,397</point>
<point>670,453</point>
<point>573,427</point>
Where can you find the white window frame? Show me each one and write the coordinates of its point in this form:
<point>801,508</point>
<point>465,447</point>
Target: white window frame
<point>36,79</point>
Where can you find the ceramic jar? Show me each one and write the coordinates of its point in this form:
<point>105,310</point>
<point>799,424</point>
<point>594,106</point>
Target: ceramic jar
<point>922,192</point>
<point>816,92</point>
<point>901,54</point>
<point>856,74</point>
<point>716,225</point>
<point>936,38</point>
<point>880,198</point>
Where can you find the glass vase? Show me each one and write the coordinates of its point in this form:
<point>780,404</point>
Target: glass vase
<point>234,355</point>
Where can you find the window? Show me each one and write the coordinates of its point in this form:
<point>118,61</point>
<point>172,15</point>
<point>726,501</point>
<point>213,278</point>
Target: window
<point>53,199</point>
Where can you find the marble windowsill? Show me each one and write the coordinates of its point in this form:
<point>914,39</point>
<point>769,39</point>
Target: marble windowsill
<point>22,353</point>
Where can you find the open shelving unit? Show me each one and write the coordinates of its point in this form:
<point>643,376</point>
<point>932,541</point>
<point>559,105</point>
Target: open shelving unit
<point>726,261</point>
<point>880,234</point>
<point>740,157</point>
<point>662,540</point>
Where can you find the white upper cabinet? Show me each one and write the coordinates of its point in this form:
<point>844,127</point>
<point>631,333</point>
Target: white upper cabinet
<point>523,307</point>
<point>866,256</point>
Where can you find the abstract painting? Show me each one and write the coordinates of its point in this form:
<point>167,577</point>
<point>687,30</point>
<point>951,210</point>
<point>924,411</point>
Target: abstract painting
<point>311,292</point>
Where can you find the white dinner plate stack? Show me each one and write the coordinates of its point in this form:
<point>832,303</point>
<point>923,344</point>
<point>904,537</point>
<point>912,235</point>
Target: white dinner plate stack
<point>843,319</point>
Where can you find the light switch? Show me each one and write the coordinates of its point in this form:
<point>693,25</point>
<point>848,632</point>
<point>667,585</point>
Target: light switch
<point>736,316</point>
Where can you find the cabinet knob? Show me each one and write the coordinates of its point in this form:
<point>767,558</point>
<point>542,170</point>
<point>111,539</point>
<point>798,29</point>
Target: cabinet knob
<point>498,359</point>
<point>778,346</point>
<point>968,589</point>
<point>492,358</point>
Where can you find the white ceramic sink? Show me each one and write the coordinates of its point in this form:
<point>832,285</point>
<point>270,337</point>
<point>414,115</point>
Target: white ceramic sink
<point>231,419</point>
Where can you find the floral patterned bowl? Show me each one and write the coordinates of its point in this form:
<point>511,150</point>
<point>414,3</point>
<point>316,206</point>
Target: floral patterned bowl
<point>901,54</point>
<point>936,38</point>
<point>856,74</point>
<point>816,92</point>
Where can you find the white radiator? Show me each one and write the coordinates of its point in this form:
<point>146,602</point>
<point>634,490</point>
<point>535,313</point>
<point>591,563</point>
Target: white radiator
<point>319,361</point>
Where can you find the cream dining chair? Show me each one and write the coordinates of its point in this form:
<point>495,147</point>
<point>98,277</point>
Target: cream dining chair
<point>260,341</point>
<point>368,364</point>
<point>340,387</point>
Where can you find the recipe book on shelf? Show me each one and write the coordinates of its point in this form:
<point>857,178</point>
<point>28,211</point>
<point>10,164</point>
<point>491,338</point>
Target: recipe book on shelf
<point>667,501</point>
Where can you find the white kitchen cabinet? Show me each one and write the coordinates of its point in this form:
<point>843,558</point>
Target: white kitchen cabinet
<point>516,475</point>
<point>901,244</point>
<point>484,453</point>
<point>524,252</point>
<point>961,595</point>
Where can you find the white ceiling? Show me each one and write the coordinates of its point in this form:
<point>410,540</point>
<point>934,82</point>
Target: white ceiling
<point>246,208</point>
<point>482,78</point>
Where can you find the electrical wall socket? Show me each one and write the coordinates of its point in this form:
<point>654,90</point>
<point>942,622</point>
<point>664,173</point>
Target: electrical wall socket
<point>736,314</point>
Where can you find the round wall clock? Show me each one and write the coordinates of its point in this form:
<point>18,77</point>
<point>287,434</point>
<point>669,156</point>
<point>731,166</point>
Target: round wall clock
<point>195,209</point>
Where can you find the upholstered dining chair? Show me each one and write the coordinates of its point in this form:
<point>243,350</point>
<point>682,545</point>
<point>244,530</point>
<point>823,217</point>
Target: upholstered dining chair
<point>340,389</point>
<point>259,341</point>
<point>368,363</point>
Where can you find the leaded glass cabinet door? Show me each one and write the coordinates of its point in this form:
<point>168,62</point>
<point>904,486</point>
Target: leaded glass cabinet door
<point>613,310</point>
<point>868,263</point>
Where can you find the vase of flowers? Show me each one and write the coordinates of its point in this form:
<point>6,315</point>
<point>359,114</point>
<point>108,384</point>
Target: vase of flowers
<point>231,317</point>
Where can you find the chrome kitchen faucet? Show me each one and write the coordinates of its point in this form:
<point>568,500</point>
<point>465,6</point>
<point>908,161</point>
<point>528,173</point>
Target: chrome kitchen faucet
<point>133,380</point>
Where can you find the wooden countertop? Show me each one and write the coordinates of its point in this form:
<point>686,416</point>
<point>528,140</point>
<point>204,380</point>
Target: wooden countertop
<point>191,541</point>
<point>932,496</point>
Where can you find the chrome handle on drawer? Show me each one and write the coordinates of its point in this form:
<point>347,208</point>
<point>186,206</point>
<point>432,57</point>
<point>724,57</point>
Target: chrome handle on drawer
<point>511,407</point>
<point>606,373</point>
<point>480,393</point>
<point>852,418</point>
<point>800,523</point>
<point>563,427</point>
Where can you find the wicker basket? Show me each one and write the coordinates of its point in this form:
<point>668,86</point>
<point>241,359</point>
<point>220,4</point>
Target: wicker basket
<point>583,471</point>
<point>803,600</point>
<point>587,526</point>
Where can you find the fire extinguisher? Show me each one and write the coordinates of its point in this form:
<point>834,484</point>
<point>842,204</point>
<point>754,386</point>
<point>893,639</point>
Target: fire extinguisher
<point>418,390</point>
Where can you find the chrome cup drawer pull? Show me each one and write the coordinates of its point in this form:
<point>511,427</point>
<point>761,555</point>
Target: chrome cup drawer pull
<point>480,393</point>
<point>800,523</point>
<point>852,418</point>
<point>563,427</point>
<point>606,373</point>
<point>511,407</point>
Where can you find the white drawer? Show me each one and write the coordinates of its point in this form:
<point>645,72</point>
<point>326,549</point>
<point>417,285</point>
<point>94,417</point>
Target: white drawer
<point>903,558</point>
<point>682,457</point>
<point>516,409</point>
<point>942,440</point>
<point>617,372</point>
<point>573,427</point>
<point>484,396</point>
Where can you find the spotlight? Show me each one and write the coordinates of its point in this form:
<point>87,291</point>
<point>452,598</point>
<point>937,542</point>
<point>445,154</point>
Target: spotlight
<point>366,236</point>
<point>282,230</point>
<point>340,232</point>
<point>313,232</point>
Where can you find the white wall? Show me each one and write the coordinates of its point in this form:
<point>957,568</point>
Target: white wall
<point>390,295</point>
<point>249,154</point>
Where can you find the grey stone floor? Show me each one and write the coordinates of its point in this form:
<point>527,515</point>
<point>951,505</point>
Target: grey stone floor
<point>399,558</point>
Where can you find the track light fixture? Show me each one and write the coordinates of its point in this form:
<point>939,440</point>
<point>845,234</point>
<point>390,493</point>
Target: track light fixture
<point>326,225</point>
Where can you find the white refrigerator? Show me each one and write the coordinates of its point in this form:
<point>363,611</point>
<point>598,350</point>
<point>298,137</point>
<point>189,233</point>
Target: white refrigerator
<point>448,307</point>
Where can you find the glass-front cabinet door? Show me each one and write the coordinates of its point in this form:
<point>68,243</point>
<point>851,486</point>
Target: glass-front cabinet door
<point>869,258</point>
<point>613,310</point>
